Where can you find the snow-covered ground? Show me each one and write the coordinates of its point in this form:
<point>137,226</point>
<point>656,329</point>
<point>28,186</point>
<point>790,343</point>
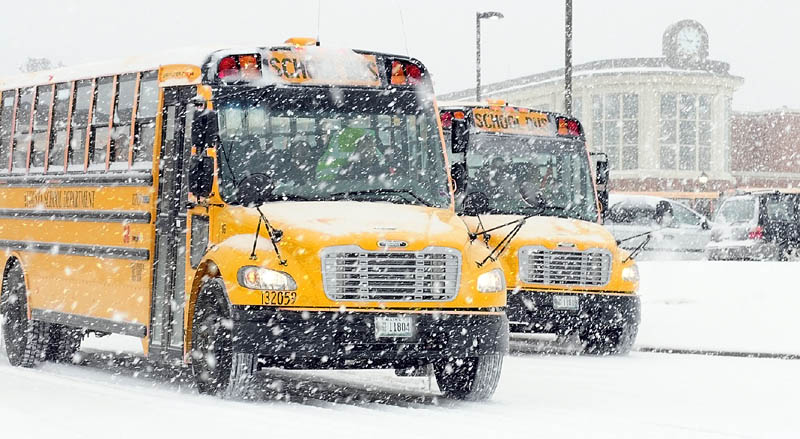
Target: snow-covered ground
<point>642,395</point>
<point>716,305</point>
<point>709,305</point>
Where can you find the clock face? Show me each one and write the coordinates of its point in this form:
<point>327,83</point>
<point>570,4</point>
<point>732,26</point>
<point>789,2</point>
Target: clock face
<point>689,40</point>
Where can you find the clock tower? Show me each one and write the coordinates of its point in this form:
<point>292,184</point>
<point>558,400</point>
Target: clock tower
<point>685,44</point>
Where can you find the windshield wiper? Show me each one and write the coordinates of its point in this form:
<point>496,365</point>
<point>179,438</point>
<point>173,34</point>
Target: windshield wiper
<point>275,236</point>
<point>347,194</point>
<point>504,243</point>
<point>638,248</point>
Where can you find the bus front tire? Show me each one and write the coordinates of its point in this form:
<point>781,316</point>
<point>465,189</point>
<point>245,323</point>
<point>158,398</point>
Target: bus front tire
<point>25,339</point>
<point>217,369</point>
<point>469,379</point>
<point>608,341</point>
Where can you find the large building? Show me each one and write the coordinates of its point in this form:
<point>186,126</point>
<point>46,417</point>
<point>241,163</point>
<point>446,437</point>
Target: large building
<point>664,122</point>
<point>765,148</point>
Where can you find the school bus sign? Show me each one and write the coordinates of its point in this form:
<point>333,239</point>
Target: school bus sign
<point>313,66</point>
<point>511,120</point>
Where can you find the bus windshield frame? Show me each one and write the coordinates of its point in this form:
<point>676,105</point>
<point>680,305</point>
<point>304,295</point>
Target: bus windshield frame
<point>323,143</point>
<point>524,174</point>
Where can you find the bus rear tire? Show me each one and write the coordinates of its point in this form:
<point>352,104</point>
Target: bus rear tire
<point>469,379</point>
<point>25,339</point>
<point>64,343</point>
<point>217,369</point>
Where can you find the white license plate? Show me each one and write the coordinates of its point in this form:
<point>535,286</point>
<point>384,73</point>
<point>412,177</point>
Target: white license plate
<point>394,326</point>
<point>565,302</point>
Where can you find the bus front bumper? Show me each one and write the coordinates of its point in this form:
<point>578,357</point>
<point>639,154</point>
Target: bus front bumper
<point>331,339</point>
<point>550,311</point>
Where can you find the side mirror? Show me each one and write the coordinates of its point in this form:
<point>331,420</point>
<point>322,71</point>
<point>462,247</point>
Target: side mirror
<point>458,172</point>
<point>460,136</point>
<point>201,176</point>
<point>254,190</point>
<point>601,182</point>
<point>705,225</point>
<point>475,203</point>
<point>663,215</point>
<point>201,168</point>
<point>204,130</point>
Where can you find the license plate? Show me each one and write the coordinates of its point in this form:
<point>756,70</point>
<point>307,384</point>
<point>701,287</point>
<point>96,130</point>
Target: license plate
<point>569,303</point>
<point>394,326</point>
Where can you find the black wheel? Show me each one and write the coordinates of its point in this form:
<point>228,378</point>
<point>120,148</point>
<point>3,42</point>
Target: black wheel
<point>470,379</point>
<point>608,341</point>
<point>217,369</point>
<point>64,342</point>
<point>789,254</point>
<point>25,339</point>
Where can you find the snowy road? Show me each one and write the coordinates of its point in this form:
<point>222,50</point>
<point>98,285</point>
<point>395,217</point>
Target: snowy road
<point>718,306</point>
<point>641,395</point>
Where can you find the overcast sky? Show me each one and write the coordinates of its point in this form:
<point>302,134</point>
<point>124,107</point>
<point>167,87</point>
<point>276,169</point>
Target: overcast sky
<point>758,38</point>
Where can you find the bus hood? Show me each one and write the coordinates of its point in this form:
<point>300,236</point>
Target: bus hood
<point>550,232</point>
<point>370,225</point>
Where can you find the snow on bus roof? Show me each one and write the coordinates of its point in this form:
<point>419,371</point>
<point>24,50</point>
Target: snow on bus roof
<point>150,61</point>
<point>196,55</point>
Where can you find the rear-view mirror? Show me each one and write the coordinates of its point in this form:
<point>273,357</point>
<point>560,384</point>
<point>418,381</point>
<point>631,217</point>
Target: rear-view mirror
<point>460,136</point>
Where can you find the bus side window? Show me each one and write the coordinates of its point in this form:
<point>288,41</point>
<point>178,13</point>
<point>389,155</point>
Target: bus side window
<point>123,118</point>
<point>41,126</point>
<point>22,132</point>
<point>80,120</point>
<point>6,120</point>
<point>145,127</point>
<point>100,134</point>
<point>58,132</point>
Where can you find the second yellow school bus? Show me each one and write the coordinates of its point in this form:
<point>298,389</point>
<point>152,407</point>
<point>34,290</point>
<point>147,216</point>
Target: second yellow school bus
<point>565,272</point>
<point>237,209</point>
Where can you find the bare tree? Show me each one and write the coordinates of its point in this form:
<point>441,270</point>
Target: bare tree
<point>38,64</point>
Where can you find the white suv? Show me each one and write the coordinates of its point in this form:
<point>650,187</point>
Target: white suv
<point>678,232</point>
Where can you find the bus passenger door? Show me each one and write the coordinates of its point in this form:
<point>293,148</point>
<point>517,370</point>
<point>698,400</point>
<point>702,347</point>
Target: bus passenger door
<point>168,296</point>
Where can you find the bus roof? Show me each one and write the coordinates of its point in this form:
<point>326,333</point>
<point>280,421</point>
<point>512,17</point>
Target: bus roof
<point>152,61</point>
<point>194,56</point>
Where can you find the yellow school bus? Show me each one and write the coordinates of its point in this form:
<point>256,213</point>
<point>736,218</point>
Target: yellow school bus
<point>239,209</point>
<point>524,178</point>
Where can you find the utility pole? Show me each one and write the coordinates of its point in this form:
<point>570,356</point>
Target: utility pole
<point>491,15</point>
<point>568,59</point>
<point>478,57</point>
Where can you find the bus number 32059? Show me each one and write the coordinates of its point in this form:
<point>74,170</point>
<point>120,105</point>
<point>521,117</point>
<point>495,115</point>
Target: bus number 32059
<point>278,298</point>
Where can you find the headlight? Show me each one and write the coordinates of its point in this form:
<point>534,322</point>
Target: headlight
<point>257,278</point>
<point>631,273</point>
<point>492,282</point>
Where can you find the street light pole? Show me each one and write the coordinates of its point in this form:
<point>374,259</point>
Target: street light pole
<point>478,17</point>
<point>478,56</point>
<point>568,59</point>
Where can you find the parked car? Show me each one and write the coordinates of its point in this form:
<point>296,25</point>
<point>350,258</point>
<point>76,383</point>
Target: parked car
<point>759,225</point>
<point>678,232</point>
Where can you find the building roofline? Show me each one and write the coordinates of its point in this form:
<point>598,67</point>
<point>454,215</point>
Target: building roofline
<point>771,112</point>
<point>606,66</point>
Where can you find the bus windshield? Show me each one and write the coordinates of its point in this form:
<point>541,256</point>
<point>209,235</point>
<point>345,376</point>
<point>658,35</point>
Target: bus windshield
<point>532,175</point>
<point>328,144</point>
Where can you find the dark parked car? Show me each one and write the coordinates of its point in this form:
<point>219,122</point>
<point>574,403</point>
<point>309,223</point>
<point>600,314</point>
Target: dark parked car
<point>760,225</point>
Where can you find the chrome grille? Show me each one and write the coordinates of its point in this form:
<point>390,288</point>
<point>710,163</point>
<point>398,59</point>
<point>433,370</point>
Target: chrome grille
<point>588,268</point>
<point>350,273</point>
